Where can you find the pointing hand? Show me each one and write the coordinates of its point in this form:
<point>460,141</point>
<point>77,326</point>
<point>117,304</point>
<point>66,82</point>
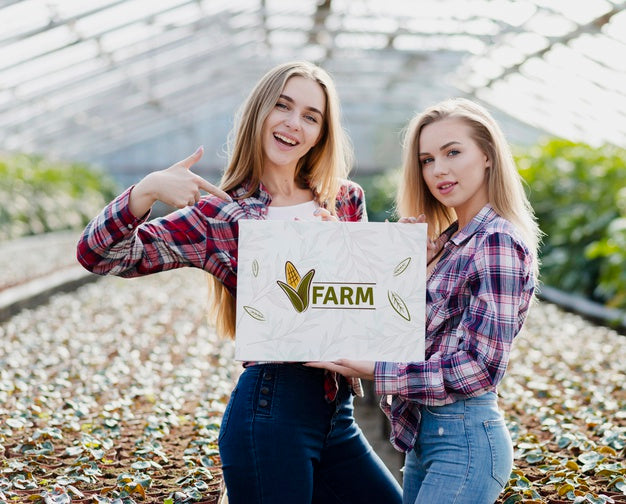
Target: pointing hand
<point>176,186</point>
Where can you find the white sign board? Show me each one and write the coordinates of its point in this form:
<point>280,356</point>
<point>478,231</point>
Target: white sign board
<point>318,291</point>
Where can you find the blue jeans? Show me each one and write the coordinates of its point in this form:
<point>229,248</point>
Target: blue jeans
<point>463,455</point>
<point>281,442</point>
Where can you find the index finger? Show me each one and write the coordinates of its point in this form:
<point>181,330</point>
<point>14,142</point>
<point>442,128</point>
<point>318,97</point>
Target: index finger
<point>212,189</point>
<point>188,162</point>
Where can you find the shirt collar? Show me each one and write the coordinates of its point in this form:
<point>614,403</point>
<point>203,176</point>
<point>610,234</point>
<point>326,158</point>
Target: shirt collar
<point>486,215</point>
<point>260,194</point>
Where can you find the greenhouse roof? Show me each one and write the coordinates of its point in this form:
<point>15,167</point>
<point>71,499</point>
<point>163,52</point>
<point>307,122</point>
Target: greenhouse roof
<point>137,84</point>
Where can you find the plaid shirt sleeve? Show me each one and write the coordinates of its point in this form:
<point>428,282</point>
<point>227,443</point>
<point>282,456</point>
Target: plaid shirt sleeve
<point>203,236</point>
<point>500,285</point>
<point>350,203</point>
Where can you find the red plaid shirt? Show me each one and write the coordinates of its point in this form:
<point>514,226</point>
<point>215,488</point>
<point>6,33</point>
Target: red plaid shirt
<point>202,236</point>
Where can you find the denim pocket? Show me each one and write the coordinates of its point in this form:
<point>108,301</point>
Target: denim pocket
<point>501,450</point>
<point>439,421</point>
<point>226,415</point>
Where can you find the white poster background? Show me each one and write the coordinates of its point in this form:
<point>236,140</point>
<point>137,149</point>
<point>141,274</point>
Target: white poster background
<point>389,259</point>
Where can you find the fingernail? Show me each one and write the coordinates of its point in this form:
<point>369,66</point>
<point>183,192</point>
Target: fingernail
<point>317,211</point>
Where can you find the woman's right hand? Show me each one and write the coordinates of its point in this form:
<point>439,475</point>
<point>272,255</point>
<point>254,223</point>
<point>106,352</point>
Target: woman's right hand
<point>432,247</point>
<point>176,186</point>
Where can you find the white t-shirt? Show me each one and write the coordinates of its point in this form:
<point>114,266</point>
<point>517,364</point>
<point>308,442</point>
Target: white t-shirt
<point>301,211</point>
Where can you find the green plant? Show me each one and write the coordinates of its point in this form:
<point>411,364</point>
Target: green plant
<point>38,196</point>
<point>579,195</point>
<point>380,194</point>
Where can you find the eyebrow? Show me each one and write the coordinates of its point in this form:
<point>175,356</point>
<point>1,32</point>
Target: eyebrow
<point>291,100</point>
<point>443,147</point>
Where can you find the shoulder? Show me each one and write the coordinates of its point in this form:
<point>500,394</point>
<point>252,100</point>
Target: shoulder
<point>212,207</point>
<point>350,191</point>
<point>499,242</point>
<point>501,228</point>
<point>350,202</point>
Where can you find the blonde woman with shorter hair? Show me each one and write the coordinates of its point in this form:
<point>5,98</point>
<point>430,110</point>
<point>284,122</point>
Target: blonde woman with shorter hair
<point>459,177</point>
<point>288,434</point>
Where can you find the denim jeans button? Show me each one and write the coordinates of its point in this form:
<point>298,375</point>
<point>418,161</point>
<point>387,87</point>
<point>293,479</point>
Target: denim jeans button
<point>267,376</point>
<point>265,390</point>
<point>263,403</point>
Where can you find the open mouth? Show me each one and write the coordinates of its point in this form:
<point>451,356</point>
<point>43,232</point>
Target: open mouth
<point>285,140</point>
<point>445,187</point>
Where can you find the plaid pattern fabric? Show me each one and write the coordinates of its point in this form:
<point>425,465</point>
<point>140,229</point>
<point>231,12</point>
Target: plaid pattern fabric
<point>203,236</point>
<point>477,298</point>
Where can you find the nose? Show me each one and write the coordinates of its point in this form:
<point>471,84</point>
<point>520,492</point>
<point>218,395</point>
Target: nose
<point>439,168</point>
<point>293,120</point>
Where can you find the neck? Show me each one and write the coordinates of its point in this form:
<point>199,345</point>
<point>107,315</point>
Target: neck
<point>279,183</point>
<point>284,190</point>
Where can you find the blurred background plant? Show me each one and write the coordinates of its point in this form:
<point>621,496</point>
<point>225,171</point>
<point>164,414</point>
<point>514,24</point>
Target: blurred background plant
<point>38,196</point>
<point>579,195</point>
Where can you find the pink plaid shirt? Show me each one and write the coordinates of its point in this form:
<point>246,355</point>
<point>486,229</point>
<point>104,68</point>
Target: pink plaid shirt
<point>477,298</point>
<point>203,236</point>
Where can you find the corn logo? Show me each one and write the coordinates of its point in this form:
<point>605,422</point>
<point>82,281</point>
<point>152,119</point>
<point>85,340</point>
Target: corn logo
<point>297,288</point>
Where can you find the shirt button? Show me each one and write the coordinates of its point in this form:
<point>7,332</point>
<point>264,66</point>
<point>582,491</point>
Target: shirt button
<point>265,390</point>
<point>263,403</point>
<point>129,226</point>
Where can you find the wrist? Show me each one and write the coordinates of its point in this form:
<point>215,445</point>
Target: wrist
<point>143,195</point>
<point>146,188</point>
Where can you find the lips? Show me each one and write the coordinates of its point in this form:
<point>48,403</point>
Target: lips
<point>286,139</point>
<point>446,187</point>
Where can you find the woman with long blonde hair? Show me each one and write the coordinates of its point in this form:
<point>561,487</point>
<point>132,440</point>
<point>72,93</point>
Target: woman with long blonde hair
<point>459,177</point>
<point>288,434</point>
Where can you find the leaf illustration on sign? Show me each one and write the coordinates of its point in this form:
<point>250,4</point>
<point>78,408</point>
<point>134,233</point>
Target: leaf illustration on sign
<point>297,288</point>
<point>254,313</point>
<point>255,268</point>
<point>398,305</point>
<point>401,267</point>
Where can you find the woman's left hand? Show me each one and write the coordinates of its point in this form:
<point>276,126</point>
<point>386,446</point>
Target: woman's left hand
<point>325,215</point>
<point>348,368</point>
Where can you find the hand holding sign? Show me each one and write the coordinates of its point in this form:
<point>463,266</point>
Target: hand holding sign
<point>348,368</point>
<point>176,186</point>
<point>432,247</point>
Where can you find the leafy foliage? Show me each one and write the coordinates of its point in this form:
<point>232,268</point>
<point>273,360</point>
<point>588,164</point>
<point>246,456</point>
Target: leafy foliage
<point>37,196</point>
<point>579,195</point>
<point>380,194</point>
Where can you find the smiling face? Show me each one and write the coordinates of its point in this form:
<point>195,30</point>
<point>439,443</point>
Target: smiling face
<point>453,167</point>
<point>295,123</point>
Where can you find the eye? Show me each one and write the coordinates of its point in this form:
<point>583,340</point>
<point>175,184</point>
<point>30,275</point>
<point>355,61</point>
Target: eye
<point>426,160</point>
<point>311,118</point>
<point>282,105</point>
<point>453,152</point>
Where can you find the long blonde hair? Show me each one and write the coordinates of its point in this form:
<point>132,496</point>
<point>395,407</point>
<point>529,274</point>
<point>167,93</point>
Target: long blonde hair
<point>321,169</point>
<point>505,185</point>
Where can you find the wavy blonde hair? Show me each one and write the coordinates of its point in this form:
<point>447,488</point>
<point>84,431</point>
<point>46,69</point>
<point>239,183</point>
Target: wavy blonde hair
<point>505,185</point>
<point>322,169</point>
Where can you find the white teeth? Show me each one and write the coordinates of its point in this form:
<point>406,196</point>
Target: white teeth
<point>285,139</point>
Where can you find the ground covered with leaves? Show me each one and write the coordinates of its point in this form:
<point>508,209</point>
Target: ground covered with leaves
<point>565,404</point>
<point>114,394</point>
